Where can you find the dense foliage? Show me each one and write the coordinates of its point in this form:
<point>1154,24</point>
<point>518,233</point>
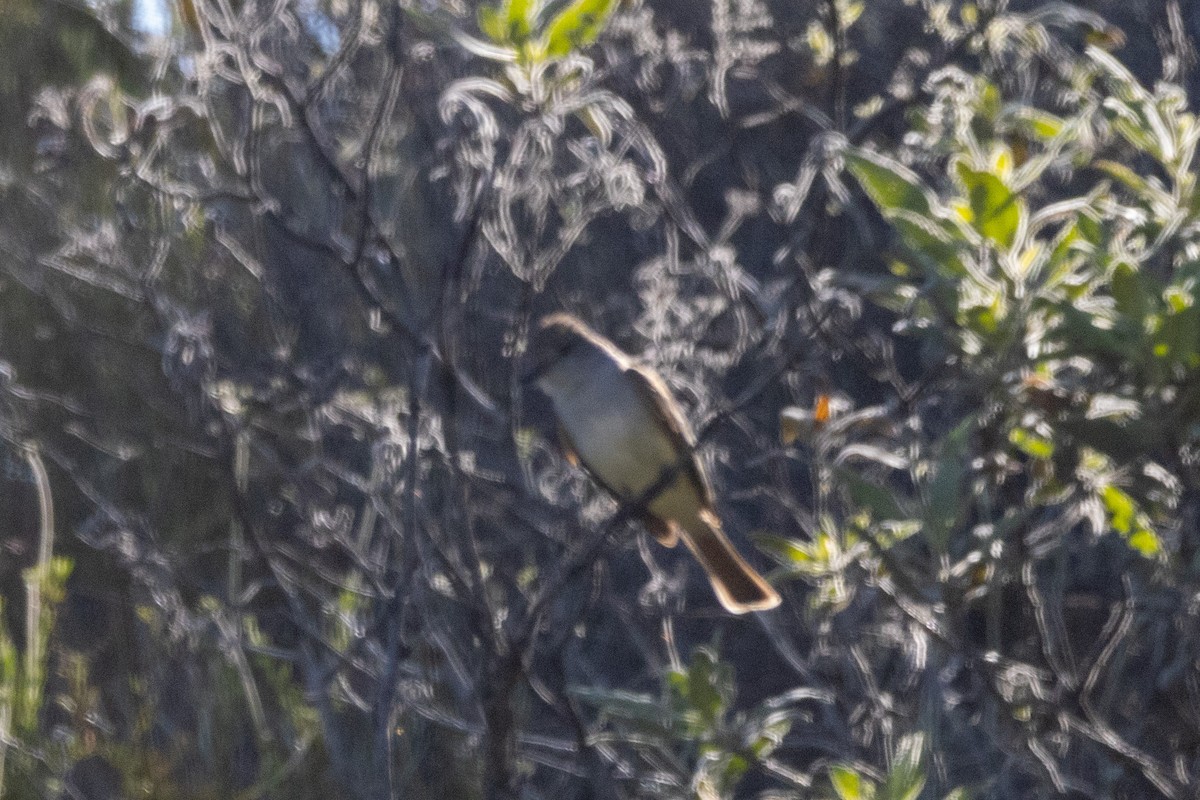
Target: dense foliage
<point>278,516</point>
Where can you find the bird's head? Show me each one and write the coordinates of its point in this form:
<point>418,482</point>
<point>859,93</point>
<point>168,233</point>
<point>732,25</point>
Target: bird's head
<point>557,336</point>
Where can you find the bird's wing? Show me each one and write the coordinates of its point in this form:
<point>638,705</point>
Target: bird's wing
<point>571,453</point>
<point>655,390</point>
<point>665,532</point>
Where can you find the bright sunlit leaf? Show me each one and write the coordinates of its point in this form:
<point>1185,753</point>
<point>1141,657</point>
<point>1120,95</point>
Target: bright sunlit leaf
<point>1031,444</point>
<point>906,778</point>
<point>847,783</point>
<point>1146,542</point>
<point>890,185</point>
<point>995,210</point>
<point>577,26</point>
<point>1120,507</point>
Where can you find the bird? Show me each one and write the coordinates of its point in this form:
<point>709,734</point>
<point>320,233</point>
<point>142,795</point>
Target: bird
<point>618,419</point>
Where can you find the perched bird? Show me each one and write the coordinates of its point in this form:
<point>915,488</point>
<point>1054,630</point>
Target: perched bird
<point>619,420</point>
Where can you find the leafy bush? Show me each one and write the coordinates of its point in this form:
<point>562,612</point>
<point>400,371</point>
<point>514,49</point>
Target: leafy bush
<point>286,520</point>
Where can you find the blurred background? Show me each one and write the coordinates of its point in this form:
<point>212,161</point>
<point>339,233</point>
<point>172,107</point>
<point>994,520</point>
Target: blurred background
<point>279,519</point>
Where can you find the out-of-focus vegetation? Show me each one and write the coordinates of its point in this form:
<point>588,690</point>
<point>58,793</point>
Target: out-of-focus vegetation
<point>278,517</point>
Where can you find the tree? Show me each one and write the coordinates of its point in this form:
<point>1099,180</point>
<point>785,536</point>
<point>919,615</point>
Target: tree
<point>268,282</point>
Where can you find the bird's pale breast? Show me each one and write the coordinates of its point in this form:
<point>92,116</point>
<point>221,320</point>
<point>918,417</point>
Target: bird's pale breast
<point>617,433</point>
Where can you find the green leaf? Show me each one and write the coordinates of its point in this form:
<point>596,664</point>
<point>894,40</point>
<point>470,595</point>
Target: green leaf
<point>491,23</point>
<point>577,25</point>
<point>771,735</point>
<point>1146,542</point>
<point>1177,299</point>
<point>879,501</point>
<point>708,688</point>
<point>934,241</point>
<point>1133,110</point>
<point>943,503</point>
<point>1031,444</point>
<point>890,185</point>
<point>988,101</point>
<point>509,23</point>
<point>820,42</point>
<point>520,20</point>
<point>8,664</point>
<point>995,210</point>
<point>735,768</point>
<point>1145,191</point>
<point>906,778</point>
<point>984,317</point>
<point>632,706</point>
<point>1178,338</point>
<point>935,238</point>
<point>1126,519</point>
<point>1038,123</point>
<point>1090,230</point>
<point>1088,338</point>
<point>1120,507</point>
<point>1129,293</point>
<point>787,551</point>
<point>847,783</point>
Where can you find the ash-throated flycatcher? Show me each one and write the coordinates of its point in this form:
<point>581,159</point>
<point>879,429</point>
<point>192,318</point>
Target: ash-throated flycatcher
<point>622,423</point>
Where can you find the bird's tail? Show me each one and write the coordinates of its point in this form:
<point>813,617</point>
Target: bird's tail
<point>738,586</point>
